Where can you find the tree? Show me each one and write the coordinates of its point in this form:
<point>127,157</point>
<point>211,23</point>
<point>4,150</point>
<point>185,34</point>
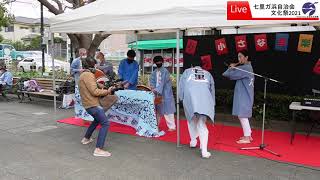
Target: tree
<point>1,38</point>
<point>5,17</point>
<point>88,41</point>
<point>35,43</point>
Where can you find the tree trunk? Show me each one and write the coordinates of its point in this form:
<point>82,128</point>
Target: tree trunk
<point>87,41</point>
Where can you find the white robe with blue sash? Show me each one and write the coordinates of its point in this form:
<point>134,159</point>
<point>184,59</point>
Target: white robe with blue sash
<point>197,92</point>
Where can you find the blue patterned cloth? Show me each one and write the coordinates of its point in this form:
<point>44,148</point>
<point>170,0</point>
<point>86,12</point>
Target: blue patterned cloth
<point>136,109</point>
<point>78,108</point>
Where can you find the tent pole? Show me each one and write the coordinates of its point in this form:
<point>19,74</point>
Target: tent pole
<point>142,59</point>
<point>177,81</point>
<point>172,61</point>
<point>53,73</point>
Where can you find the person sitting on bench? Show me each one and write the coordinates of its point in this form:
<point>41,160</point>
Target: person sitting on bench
<point>6,80</point>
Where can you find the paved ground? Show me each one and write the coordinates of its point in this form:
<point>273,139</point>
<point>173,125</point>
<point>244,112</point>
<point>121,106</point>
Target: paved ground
<point>34,146</point>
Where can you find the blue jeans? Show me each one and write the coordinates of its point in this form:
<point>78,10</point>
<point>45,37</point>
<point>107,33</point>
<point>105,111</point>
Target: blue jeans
<point>100,117</point>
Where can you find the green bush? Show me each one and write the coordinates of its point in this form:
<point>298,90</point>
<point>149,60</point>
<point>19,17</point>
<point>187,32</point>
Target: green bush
<point>277,107</point>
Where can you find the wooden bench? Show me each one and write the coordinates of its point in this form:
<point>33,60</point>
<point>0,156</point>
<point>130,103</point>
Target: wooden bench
<point>46,86</point>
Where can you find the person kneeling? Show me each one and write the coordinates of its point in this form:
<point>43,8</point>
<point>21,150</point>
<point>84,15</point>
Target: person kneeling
<point>90,94</point>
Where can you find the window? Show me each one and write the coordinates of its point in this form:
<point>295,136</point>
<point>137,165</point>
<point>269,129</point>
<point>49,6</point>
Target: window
<point>1,47</point>
<point>9,29</point>
<point>28,60</point>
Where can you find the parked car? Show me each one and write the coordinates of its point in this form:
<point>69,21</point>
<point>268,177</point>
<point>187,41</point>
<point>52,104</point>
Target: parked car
<point>36,56</point>
<point>27,64</point>
<point>8,51</point>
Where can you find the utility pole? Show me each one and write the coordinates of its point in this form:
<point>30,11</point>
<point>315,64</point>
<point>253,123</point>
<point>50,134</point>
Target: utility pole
<point>42,41</point>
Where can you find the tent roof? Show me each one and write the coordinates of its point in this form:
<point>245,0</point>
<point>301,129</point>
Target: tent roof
<point>128,16</point>
<point>156,44</point>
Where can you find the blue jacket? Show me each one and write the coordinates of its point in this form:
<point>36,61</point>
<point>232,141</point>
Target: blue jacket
<point>165,90</point>
<point>243,91</point>
<point>75,69</point>
<point>6,78</point>
<point>129,72</point>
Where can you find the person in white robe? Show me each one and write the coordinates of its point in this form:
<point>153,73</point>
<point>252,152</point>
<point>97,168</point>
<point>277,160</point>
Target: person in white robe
<point>243,93</point>
<point>161,84</point>
<point>197,91</point>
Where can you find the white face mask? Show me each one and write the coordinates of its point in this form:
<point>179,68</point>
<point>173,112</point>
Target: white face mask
<point>84,56</point>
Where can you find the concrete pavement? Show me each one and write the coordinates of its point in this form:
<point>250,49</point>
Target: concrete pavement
<point>33,146</point>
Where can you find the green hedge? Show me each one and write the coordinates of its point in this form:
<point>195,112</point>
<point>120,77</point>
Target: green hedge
<point>277,104</point>
<point>277,107</point>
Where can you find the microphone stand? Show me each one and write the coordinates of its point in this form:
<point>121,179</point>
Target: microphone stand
<point>262,146</point>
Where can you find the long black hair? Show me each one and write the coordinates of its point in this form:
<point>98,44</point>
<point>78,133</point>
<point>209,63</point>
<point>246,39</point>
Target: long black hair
<point>245,53</point>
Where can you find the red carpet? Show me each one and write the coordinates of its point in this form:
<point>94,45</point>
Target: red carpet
<point>304,150</point>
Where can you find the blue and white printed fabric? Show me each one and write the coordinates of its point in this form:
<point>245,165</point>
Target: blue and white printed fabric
<point>136,109</point>
<point>78,108</point>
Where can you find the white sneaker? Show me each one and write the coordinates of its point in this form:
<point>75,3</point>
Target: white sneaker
<point>101,153</point>
<point>206,155</point>
<point>85,141</point>
<point>193,144</point>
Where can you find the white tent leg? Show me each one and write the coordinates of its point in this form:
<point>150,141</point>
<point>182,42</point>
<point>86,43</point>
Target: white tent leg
<point>177,81</point>
<point>53,73</point>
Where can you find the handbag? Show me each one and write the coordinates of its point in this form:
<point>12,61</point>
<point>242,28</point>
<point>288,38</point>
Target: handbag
<point>68,101</point>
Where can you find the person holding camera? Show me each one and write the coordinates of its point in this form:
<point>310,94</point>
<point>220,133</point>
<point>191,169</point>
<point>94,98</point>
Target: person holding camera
<point>90,94</point>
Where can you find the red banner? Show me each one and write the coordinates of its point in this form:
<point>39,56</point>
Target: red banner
<point>206,62</point>
<point>316,68</point>
<point>261,42</point>
<point>241,43</point>
<point>221,46</point>
<point>191,46</point>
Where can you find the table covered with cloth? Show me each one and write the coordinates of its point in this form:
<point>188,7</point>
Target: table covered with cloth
<point>136,109</point>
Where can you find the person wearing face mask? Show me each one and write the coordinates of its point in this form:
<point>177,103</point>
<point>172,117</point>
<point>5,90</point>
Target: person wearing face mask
<point>161,84</point>
<point>6,79</point>
<point>76,66</point>
<point>103,65</point>
<point>128,71</point>
<point>76,70</point>
<point>243,93</point>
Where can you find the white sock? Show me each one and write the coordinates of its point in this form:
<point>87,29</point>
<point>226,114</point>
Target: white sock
<point>203,134</point>
<point>193,131</point>
<point>170,121</point>
<point>245,126</point>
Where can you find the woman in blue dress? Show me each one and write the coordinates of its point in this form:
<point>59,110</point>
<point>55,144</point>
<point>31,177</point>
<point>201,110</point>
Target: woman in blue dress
<point>243,93</point>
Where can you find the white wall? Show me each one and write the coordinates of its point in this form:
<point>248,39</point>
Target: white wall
<point>114,46</point>
<point>19,33</point>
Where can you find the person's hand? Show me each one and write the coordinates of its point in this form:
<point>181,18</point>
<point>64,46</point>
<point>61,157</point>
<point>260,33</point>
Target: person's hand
<point>232,65</point>
<point>110,89</point>
<point>81,70</point>
<point>126,86</point>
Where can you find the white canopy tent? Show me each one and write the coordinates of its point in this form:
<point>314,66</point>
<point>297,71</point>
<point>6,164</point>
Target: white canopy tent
<point>122,15</point>
<point>142,16</point>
